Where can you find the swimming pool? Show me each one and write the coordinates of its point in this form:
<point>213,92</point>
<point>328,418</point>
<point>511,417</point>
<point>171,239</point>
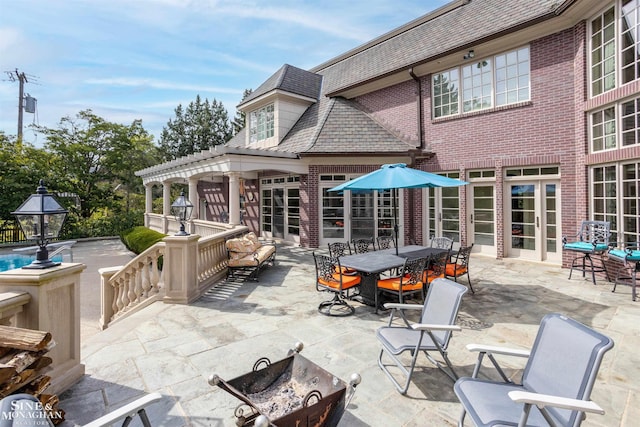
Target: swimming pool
<point>12,261</point>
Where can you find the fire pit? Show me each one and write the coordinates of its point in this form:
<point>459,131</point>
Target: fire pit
<point>291,392</point>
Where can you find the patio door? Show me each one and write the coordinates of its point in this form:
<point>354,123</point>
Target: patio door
<point>348,216</point>
<point>532,221</point>
<point>482,225</point>
<point>443,212</point>
<point>278,212</point>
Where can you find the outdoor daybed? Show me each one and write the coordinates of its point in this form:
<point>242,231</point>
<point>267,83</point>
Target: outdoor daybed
<point>249,254</point>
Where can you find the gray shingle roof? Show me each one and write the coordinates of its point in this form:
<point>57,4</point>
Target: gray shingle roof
<point>290,79</point>
<point>338,125</point>
<point>460,27</point>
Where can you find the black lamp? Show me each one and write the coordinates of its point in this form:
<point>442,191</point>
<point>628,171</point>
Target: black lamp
<point>41,218</point>
<point>182,208</point>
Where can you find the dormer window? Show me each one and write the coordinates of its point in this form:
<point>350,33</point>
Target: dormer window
<point>261,124</point>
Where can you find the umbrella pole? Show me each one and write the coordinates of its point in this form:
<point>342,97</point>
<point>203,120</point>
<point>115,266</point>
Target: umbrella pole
<point>394,193</point>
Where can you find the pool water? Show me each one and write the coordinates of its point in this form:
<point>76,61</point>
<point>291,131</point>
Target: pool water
<point>11,261</point>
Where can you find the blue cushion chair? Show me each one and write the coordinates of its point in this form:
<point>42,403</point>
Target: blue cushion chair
<point>630,257</point>
<point>592,241</point>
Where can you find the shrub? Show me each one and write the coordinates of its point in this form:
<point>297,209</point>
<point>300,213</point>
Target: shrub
<point>138,239</point>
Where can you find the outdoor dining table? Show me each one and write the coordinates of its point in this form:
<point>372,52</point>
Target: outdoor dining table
<point>371,264</point>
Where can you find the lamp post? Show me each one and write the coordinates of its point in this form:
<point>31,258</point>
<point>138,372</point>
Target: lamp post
<point>41,218</point>
<point>182,208</point>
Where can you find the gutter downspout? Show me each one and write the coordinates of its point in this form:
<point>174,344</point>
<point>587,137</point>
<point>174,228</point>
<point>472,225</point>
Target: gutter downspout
<point>411,201</point>
<point>420,112</point>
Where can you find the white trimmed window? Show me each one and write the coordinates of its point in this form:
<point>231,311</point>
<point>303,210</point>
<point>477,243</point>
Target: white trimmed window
<point>500,80</point>
<point>603,129</point>
<point>629,43</point>
<point>604,133</point>
<point>615,189</point>
<point>614,46</point>
<point>603,53</point>
<point>445,93</point>
<point>513,79</point>
<point>261,124</point>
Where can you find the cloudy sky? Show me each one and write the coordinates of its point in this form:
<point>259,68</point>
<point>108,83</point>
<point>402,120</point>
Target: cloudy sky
<point>139,59</point>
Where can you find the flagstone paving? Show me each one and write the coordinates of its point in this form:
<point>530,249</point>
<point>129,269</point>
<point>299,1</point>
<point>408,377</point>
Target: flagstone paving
<point>173,349</point>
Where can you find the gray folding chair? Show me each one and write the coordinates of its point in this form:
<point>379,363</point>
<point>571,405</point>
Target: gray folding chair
<point>556,384</point>
<point>432,333</point>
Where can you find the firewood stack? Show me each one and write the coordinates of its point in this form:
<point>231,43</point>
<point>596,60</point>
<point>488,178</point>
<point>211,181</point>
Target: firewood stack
<point>23,365</point>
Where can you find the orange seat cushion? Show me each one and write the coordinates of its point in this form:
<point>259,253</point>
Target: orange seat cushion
<point>347,270</point>
<point>455,270</point>
<point>393,284</point>
<point>347,281</point>
<point>431,275</point>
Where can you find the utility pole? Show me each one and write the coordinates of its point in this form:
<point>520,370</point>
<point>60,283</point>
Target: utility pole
<point>21,77</point>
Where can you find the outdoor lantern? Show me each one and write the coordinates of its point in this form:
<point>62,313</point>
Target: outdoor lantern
<point>182,209</point>
<point>41,218</point>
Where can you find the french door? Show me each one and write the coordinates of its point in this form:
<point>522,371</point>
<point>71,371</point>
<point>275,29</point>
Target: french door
<point>482,218</point>
<point>349,215</point>
<point>532,220</point>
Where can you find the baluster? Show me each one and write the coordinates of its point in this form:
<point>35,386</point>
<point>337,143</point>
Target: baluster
<point>119,303</point>
<point>146,279</point>
<point>131,288</point>
<point>139,277</point>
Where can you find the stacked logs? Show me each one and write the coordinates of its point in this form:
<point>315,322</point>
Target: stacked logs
<point>23,365</point>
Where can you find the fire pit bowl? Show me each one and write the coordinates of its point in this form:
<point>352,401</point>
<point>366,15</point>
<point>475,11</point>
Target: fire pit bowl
<point>290,392</point>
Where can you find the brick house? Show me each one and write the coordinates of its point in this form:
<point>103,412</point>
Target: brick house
<point>535,103</point>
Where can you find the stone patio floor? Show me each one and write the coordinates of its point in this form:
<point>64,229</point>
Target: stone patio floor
<point>172,349</point>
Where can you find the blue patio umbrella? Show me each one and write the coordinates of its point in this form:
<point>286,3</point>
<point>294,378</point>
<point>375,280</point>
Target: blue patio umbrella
<point>395,176</point>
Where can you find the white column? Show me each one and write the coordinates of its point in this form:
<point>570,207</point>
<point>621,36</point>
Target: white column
<point>148,202</point>
<point>234,199</point>
<point>194,198</point>
<point>166,205</point>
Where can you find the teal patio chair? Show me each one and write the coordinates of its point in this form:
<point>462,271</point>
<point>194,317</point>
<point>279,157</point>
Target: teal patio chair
<point>592,241</point>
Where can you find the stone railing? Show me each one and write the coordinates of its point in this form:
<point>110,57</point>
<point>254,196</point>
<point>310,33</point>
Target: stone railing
<point>11,305</point>
<point>134,286</point>
<point>191,264</point>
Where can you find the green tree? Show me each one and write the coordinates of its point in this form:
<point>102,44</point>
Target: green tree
<point>90,157</point>
<point>239,121</point>
<point>200,126</point>
<point>22,167</point>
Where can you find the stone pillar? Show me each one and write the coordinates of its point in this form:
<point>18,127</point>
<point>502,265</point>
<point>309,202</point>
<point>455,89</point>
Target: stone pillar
<point>194,198</point>
<point>54,308</point>
<point>166,206</point>
<point>181,269</point>
<point>234,199</point>
<point>148,202</point>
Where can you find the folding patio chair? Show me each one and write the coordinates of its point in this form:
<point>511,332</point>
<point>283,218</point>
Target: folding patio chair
<point>432,333</point>
<point>556,384</point>
<point>592,241</point>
